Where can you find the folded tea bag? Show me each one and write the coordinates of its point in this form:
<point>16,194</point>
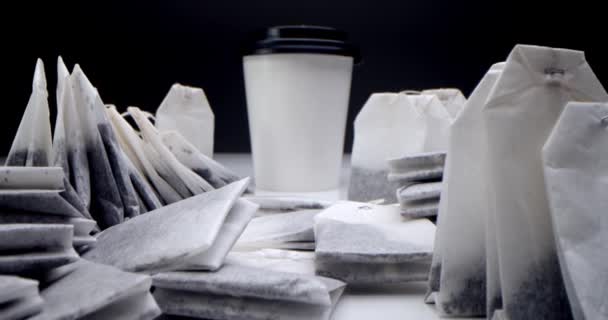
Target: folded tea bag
<point>426,166</point>
<point>388,126</point>
<point>521,111</point>
<point>69,149</point>
<point>133,146</point>
<point>273,204</point>
<point>419,200</point>
<point>212,171</point>
<point>40,201</point>
<point>182,179</point>
<point>238,292</point>
<point>106,202</point>
<point>452,99</point>
<point>275,259</point>
<point>363,243</point>
<point>187,111</point>
<point>32,143</point>
<point>272,231</point>
<point>463,265</point>
<point>234,225</point>
<point>94,291</point>
<point>576,170</point>
<point>165,239</point>
<point>33,249</point>
<point>19,298</point>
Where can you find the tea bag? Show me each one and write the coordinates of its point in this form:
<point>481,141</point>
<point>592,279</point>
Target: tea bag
<point>275,259</point>
<point>388,126</point>
<point>419,167</point>
<point>521,111</point>
<point>187,111</point>
<point>210,170</point>
<point>19,298</point>
<point>133,147</point>
<point>463,267</point>
<point>97,291</point>
<point>419,200</point>
<point>273,205</point>
<point>32,249</point>
<point>271,231</point>
<point>40,201</point>
<point>575,169</point>
<point>452,99</point>
<point>238,292</point>
<point>437,120</point>
<point>69,149</point>
<point>182,179</point>
<point>32,143</point>
<point>363,243</point>
<point>234,225</point>
<point>165,239</point>
<point>106,202</point>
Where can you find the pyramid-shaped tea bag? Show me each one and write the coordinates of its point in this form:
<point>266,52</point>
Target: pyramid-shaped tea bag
<point>32,143</point>
<point>187,111</point>
<point>575,166</point>
<point>165,239</point>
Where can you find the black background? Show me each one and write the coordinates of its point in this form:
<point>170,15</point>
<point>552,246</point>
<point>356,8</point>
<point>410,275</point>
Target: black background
<point>133,51</point>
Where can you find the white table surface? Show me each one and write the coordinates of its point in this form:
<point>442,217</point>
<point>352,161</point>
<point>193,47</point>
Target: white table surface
<point>395,302</point>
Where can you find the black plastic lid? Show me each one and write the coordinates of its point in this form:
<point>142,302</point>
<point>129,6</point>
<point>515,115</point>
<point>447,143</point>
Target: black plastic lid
<point>304,39</point>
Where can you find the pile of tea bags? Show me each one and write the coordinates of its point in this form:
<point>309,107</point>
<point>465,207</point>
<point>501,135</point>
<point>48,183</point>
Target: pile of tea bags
<point>420,176</point>
<point>87,290</point>
<point>19,298</point>
<point>281,223</point>
<point>287,289</point>
<point>393,125</point>
<point>364,244</point>
<point>507,201</point>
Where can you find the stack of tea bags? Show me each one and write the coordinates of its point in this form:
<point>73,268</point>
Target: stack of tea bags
<point>19,298</point>
<point>516,272</point>
<point>421,176</point>
<point>192,234</point>
<point>288,289</point>
<point>363,244</point>
<point>392,125</point>
<point>281,223</point>
<point>86,290</point>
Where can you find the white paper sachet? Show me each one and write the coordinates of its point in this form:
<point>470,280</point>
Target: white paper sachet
<point>32,145</point>
<point>576,169</point>
<point>522,109</point>
<point>463,265</point>
<point>363,243</point>
<point>165,239</point>
<point>187,111</point>
<point>388,126</point>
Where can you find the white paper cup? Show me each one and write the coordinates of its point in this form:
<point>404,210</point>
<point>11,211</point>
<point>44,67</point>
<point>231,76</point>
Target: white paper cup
<point>297,106</point>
